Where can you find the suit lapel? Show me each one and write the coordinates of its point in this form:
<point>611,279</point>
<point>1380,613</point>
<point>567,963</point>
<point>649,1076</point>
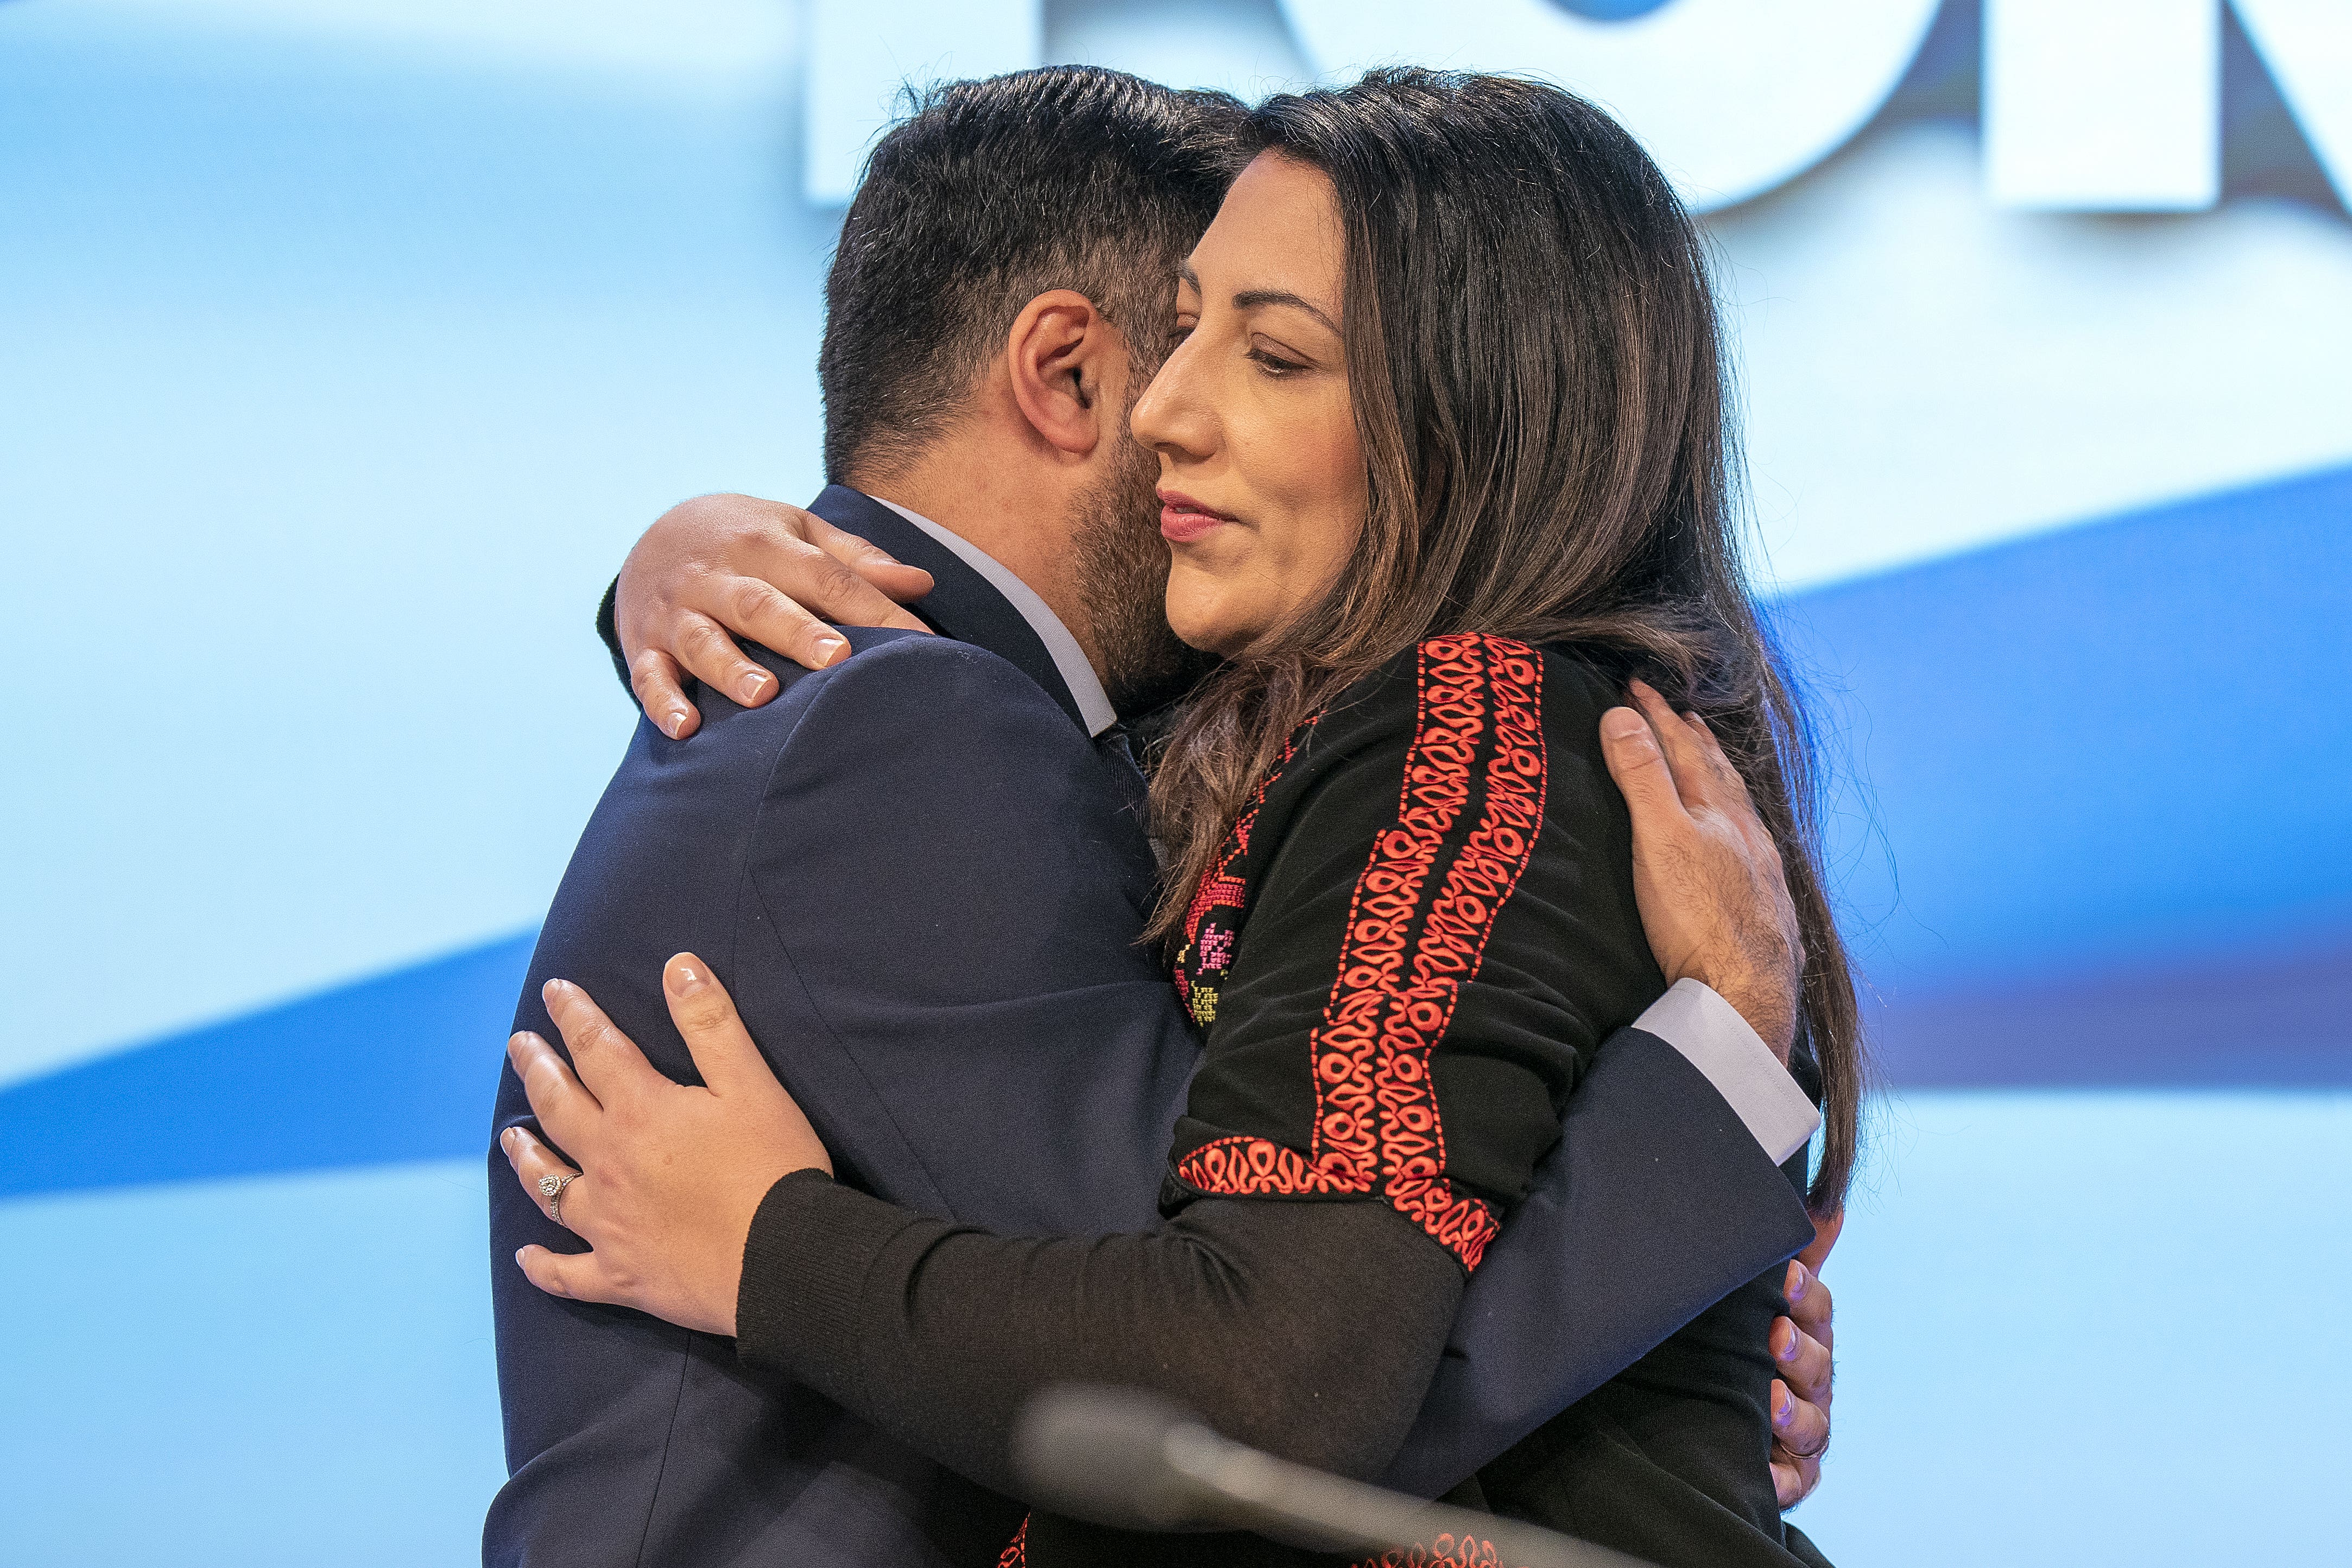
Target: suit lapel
<point>961,604</point>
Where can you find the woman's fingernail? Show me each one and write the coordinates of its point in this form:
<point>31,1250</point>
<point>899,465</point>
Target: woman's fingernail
<point>674,724</point>
<point>506,1140</point>
<point>687,977</point>
<point>1790,1352</point>
<point>755,687</point>
<point>518,1252</point>
<point>830,648</point>
<point>1798,1279</point>
<point>1780,1416</point>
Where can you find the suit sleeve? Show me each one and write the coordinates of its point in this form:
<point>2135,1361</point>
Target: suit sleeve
<point>1655,1204</point>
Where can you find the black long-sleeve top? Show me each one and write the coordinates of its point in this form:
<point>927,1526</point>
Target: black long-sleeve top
<point>1409,946</point>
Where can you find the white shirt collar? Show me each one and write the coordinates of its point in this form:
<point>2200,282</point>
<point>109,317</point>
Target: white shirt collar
<point>1086,686</point>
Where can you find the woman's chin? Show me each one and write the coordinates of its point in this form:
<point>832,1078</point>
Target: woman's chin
<point>1221,628</point>
<point>1202,618</point>
<point>1224,641</point>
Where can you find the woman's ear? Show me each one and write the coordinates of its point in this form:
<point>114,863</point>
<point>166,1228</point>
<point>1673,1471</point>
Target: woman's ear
<point>1069,367</point>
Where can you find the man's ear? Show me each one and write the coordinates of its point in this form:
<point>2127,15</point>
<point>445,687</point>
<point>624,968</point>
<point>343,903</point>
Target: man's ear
<point>1068,367</point>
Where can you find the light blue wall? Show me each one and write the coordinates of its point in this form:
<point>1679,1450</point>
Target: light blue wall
<point>344,346</point>
<point>339,375</point>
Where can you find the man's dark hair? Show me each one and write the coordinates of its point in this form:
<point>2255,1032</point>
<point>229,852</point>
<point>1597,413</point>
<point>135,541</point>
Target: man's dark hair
<point>989,195</point>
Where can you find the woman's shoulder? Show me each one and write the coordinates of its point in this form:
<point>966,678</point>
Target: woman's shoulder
<point>1467,689</point>
<point>1472,717</point>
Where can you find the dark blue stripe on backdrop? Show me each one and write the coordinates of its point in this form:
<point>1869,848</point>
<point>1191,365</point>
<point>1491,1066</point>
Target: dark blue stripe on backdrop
<point>2105,829</point>
<point>2112,764</point>
<point>402,1066</point>
<point>2121,743</point>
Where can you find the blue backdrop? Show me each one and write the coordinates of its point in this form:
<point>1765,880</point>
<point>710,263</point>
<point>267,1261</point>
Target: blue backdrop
<point>348,344</point>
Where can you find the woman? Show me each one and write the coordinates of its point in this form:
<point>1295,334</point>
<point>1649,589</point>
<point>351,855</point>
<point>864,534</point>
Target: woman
<point>1442,464</point>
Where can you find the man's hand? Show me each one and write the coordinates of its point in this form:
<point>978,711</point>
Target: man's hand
<point>669,1174</point>
<point>762,570</point>
<point>1707,875</point>
<point>1714,904</point>
<point>1801,1395</point>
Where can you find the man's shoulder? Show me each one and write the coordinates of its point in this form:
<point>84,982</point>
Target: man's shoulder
<point>938,737</point>
<point>895,687</point>
<point>926,722</point>
<point>934,679</point>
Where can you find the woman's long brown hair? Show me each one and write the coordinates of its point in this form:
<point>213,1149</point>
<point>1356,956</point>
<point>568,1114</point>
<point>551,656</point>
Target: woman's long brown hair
<point>1534,357</point>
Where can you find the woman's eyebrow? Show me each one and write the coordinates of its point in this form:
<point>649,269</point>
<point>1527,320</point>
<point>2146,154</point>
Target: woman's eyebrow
<point>1250,299</point>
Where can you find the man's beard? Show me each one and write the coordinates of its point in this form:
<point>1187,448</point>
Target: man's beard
<point>1123,574</point>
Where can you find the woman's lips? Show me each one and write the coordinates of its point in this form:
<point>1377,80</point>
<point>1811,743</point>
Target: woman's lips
<point>1184,519</point>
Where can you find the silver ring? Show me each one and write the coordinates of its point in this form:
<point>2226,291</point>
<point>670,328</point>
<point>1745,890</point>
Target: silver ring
<point>552,1189</point>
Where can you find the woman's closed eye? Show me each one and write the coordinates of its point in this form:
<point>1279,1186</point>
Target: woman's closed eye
<point>1275,363</point>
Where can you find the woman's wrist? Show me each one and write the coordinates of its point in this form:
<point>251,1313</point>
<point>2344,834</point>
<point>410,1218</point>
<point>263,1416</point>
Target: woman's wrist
<point>799,1305</point>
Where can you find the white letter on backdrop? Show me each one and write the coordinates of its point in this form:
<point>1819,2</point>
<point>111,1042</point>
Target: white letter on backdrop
<point>2103,105</point>
<point>1731,97</point>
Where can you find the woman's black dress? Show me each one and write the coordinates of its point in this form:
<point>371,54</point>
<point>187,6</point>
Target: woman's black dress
<point>1408,948</point>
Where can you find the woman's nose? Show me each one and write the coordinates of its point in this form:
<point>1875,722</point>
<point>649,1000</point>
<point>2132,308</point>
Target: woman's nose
<point>1172,418</point>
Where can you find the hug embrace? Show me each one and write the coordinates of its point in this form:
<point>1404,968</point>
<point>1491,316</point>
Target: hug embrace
<point>1252,846</point>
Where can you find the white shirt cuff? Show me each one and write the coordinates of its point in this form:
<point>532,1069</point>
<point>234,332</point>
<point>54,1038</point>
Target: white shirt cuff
<point>1713,1037</point>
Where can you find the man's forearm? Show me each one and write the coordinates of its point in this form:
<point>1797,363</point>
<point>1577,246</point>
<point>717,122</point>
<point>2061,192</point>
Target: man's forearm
<point>1711,1036</point>
<point>1656,1202</point>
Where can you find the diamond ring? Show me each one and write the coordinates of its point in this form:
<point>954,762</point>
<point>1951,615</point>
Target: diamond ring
<point>552,1189</point>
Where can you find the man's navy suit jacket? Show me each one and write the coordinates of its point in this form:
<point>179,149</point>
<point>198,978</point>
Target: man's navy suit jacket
<point>923,883</point>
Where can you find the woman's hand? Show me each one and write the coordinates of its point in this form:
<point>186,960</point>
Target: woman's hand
<point>669,1174</point>
<point>725,564</point>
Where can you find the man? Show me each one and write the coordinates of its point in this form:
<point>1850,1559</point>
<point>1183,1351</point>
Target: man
<point>923,869</point>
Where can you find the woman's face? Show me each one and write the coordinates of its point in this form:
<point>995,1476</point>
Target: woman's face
<point>1260,477</point>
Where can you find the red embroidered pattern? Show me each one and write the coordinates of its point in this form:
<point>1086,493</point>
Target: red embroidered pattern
<point>1245,1165</point>
<point>1208,952</point>
<point>1016,1554</point>
<point>1377,1128</point>
<point>1446,1552</point>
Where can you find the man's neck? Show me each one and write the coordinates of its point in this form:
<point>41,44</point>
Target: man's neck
<point>1000,509</point>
